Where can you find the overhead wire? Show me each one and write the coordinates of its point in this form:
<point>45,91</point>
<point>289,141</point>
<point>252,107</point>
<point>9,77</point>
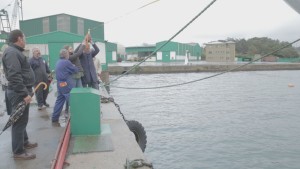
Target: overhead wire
<point>184,27</point>
<point>208,77</point>
<point>130,12</point>
<point>123,15</point>
<point>9,4</point>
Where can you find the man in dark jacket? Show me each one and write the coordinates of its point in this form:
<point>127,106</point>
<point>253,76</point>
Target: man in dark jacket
<point>74,58</point>
<point>90,78</point>
<point>41,71</point>
<point>20,81</point>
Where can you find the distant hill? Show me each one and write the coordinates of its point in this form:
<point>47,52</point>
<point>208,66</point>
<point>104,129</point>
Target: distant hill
<point>262,46</point>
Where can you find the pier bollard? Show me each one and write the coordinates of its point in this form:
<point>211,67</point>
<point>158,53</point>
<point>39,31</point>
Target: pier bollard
<point>85,111</point>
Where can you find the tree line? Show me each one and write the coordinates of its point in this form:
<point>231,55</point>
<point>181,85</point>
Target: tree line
<point>264,46</point>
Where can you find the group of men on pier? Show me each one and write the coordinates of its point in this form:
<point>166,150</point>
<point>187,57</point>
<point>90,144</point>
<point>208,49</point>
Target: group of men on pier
<point>73,69</point>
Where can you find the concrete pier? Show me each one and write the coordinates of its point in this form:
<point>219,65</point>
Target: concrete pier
<point>118,141</point>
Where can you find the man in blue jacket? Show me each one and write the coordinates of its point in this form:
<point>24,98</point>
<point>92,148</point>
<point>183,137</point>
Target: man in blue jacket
<point>64,70</point>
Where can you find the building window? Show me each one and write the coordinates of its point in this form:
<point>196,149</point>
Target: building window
<point>46,27</point>
<point>80,26</point>
<point>63,23</point>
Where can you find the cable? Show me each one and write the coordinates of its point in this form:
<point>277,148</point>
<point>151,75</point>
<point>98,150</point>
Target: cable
<point>121,16</point>
<point>208,77</point>
<point>130,12</point>
<point>9,4</point>
<point>185,26</point>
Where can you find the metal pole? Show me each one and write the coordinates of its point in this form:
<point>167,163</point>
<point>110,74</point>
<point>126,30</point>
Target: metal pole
<point>21,6</point>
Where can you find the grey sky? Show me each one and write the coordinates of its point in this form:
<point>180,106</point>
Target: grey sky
<point>161,20</point>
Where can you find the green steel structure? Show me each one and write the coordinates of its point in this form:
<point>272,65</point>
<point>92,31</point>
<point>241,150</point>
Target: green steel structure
<point>85,117</point>
<point>62,22</point>
<point>180,49</point>
<point>141,51</point>
<point>54,42</point>
<point>111,49</point>
<point>1,44</point>
<point>172,51</point>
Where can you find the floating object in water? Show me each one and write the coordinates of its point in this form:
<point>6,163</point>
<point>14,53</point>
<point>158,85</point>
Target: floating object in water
<point>291,85</point>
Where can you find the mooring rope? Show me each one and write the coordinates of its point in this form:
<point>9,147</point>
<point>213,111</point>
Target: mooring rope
<point>183,28</point>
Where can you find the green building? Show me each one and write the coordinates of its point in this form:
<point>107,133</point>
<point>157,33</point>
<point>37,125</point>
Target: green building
<point>51,33</point>
<point>171,52</point>
<point>51,43</point>
<point>65,23</point>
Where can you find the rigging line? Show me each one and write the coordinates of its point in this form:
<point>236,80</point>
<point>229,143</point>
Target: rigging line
<point>218,74</point>
<point>185,26</point>
<point>9,4</point>
<point>128,13</point>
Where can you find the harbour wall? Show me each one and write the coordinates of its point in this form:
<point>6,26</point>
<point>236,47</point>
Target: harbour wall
<point>152,69</point>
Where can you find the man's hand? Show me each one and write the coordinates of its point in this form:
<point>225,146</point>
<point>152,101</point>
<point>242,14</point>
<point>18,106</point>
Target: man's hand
<point>27,99</point>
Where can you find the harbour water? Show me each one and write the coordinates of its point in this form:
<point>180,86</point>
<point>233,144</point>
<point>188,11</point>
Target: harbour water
<point>233,121</point>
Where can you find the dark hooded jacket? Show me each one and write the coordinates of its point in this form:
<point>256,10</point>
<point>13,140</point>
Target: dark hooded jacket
<point>17,70</point>
<point>40,68</point>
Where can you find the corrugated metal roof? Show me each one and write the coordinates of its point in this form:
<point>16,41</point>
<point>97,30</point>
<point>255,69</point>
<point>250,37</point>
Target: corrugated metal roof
<point>61,14</point>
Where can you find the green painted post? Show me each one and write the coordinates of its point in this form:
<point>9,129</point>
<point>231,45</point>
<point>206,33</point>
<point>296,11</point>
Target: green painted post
<point>85,111</point>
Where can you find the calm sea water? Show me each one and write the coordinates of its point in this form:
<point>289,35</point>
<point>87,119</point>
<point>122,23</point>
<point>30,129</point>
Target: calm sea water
<point>234,121</point>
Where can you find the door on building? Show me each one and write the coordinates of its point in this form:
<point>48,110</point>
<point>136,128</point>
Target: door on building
<point>172,55</point>
<point>166,56</point>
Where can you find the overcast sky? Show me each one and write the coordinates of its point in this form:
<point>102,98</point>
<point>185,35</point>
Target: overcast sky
<point>162,19</point>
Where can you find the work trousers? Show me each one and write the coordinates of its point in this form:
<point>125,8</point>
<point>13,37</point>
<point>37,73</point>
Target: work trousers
<point>59,104</point>
<point>94,85</point>
<point>18,131</point>
<point>41,94</point>
<point>78,83</point>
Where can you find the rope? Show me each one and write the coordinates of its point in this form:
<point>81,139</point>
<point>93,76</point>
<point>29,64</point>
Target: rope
<point>185,26</point>
<point>137,163</point>
<point>110,99</point>
<point>208,77</point>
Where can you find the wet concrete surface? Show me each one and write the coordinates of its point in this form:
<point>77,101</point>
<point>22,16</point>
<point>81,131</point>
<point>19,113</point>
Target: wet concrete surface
<point>40,129</point>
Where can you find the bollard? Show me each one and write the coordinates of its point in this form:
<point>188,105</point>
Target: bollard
<point>85,111</point>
